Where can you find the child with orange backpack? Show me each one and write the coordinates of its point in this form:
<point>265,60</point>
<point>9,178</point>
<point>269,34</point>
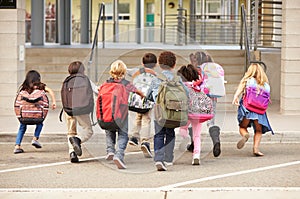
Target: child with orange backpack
<point>112,111</point>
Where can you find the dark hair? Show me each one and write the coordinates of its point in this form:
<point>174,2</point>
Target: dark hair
<point>149,60</point>
<point>188,73</point>
<point>32,81</point>
<point>167,60</point>
<point>76,67</point>
<point>202,57</point>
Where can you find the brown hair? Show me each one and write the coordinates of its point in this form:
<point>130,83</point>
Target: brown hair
<point>76,67</point>
<point>167,60</point>
<point>188,73</point>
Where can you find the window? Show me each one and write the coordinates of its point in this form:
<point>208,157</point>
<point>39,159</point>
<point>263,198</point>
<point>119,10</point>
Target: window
<point>124,11</point>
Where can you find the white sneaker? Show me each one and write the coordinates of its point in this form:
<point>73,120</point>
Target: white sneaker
<point>196,159</point>
<point>110,156</point>
<point>160,166</point>
<point>168,163</point>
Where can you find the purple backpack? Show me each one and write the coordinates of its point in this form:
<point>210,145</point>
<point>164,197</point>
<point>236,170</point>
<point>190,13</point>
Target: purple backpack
<point>256,101</point>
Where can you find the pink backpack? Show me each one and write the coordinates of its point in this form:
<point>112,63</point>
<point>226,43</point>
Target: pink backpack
<point>256,100</point>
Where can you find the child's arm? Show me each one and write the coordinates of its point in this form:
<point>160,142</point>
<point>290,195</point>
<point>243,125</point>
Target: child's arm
<point>140,93</point>
<point>51,93</point>
<point>239,90</point>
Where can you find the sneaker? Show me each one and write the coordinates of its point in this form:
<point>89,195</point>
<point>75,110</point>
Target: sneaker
<point>18,150</point>
<point>73,157</point>
<point>160,166</point>
<point>110,156</point>
<point>145,147</point>
<point>75,141</point>
<point>196,159</point>
<point>242,142</point>
<point>120,164</point>
<point>36,144</point>
<point>168,163</point>
<point>133,141</point>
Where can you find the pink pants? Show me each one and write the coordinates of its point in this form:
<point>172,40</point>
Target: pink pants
<point>196,125</point>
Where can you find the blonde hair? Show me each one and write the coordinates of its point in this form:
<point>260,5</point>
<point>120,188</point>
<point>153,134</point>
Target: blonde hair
<point>118,69</point>
<point>257,72</point>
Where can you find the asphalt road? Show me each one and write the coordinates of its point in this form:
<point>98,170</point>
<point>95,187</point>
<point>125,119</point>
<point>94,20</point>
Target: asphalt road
<point>49,168</point>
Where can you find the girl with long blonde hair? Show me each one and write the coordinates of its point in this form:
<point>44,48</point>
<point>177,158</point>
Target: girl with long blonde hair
<point>255,77</point>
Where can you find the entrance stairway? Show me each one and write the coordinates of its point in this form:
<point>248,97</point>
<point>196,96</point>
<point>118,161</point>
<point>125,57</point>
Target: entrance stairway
<point>53,63</point>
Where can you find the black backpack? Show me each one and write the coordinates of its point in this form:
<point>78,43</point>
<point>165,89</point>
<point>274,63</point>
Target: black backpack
<point>77,95</point>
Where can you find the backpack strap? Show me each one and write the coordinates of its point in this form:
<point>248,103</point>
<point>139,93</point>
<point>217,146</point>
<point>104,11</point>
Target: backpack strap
<point>143,70</point>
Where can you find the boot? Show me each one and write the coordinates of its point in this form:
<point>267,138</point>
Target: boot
<point>214,133</point>
<point>190,147</point>
<point>75,141</point>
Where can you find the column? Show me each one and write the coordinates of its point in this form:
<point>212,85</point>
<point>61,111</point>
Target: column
<point>85,21</point>
<point>64,22</point>
<point>139,21</point>
<point>37,22</point>
<point>290,59</point>
<point>12,55</point>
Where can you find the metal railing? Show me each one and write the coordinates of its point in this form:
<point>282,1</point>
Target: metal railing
<point>94,49</point>
<point>244,38</point>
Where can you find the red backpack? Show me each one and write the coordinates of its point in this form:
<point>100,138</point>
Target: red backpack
<point>112,105</point>
<point>31,108</point>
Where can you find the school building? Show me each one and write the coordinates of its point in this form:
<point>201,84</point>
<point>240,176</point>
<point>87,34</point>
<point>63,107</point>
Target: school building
<point>47,35</point>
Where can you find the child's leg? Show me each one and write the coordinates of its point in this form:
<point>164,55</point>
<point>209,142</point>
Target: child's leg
<point>169,145</point>
<point>196,136</point>
<point>85,122</point>
<point>159,144</point>
<point>257,138</point>
<point>20,135</point>
<point>137,127</point>
<point>244,133</point>
<point>110,141</point>
<point>146,127</point>
<point>37,131</point>
<point>122,141</point>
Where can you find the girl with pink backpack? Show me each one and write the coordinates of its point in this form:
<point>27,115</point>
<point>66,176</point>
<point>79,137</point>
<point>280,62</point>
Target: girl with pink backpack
<point>200,108</point>
<point>255,91</point>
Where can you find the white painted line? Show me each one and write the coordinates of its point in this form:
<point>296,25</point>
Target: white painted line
<point>228,175</point>
<point>57,163</point>
<point>148,189</point>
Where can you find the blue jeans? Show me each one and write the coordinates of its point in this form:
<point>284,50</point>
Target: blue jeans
<point>164,143</point>
<point>122,141</point>
<point>22,130</point>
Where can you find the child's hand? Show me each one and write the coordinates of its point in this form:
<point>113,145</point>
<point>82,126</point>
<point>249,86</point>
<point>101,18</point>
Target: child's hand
<point>53,106</point>
<point>236,101</point>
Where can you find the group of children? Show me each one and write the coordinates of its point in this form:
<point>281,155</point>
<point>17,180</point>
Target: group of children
<point>191,77</point>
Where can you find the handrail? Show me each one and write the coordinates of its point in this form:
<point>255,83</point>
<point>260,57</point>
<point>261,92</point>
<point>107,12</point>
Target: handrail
<point>245,35</point>
<point>95,41</point>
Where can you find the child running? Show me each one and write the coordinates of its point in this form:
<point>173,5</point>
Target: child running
<point>190,78</point>
<point>142,126</point>
<point>254,77</point>
<point>31,83</point>
<point>164,138</point>
<point>118,71</point>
